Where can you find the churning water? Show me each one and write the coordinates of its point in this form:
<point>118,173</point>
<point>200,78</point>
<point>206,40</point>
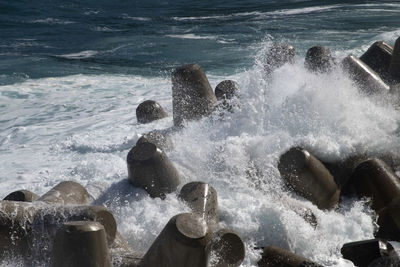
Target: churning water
<point>73,73</point>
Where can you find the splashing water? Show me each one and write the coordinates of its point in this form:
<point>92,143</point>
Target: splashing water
<point>63,133</point>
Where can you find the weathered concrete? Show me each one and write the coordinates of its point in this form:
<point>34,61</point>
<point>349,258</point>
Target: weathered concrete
<point>80,244</point>
<point>67,192</point>
<point>278,55</point>
<point>150,168</point>
<point>182,242</point>
<point>362,253</point>
<point>385,262</point>
<point>389,221</point>
<point>378,58</point>
<point>342,171</point>
<point>308,177</point>
<point>192,95</point>
<point>226,249</point>
<point>21,222</point>
<point>373,178</point>
<point>202,199</point>
<point>22,195</point>
<point>122,255</point>
<point>394,68</point>
<point>226,90</point>
<point>149,111</point>
<point>273,256</point>
<point>318,59</point>
<point>367,80</point>
<point>160,139</point>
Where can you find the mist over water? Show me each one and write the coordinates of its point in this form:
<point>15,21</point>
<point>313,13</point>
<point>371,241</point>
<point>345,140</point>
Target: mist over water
<point>68,111</point>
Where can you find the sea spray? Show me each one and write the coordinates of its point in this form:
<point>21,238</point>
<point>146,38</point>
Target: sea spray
<point>237,153</point>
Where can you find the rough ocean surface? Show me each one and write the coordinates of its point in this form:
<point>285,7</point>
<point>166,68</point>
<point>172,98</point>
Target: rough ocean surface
<point>73,72</point>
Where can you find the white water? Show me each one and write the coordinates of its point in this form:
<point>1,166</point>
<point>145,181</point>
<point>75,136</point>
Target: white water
<point>81,128</point>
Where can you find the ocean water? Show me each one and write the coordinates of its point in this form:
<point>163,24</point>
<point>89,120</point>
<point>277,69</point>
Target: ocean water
<point>73,72</point>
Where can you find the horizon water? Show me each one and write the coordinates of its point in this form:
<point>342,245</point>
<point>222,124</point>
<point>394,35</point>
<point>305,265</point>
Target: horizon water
<point>72,74</point>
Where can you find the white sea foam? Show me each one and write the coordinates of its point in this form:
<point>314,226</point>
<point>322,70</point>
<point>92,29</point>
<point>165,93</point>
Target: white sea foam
<point>253,14</point>
<point>216,17</point>
<point>305,10</point>
<point>126,16</point>
<point>79,55</point>
<point>51,21</point>
<point>81,128</point>
<point>191,36</point>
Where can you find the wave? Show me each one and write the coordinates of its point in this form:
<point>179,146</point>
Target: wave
<point>125,16</point>
<point>51,21</point>
<point>202,17</point>
<point>79,55</point>
<point>104,29</point>
<point>190,36</point>
<point>305,10</point>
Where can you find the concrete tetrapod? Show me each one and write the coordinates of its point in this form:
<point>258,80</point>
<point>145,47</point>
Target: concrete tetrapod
<point>181,243</point>
<point>202,199</point>
<point>343,169</point>
<point>226,249</point>
<point>67,192</point>
<point>307,176</point>
<point>226,89</point>
<point>389,221</point>
<point>22,195</point>
<point>192,95</point>
<point>273,256</point>
<point>319,59</point>
<point>394,68</point>
<point>391,261</point>
<point>362,253</point>
<point>80,244</point>
<point>122,255</point>
<point>149,111</point>
<point>21,223</point>
<point>373,178</point>
<point>378,58</point>
<point>278,55</point>
<point>161,140</point>
<point>367,79</point>
<point>150,168</point>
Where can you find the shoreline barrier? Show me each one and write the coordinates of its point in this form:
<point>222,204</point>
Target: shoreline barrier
<point>394,68</point>
<point>67,192</point>
<point>226,249</point>
<point>202,199</point>
<point>22,195</point>
<point>21,222</point>
<point>273,256</point>
<point>367,80</point>
<point>308,177</point>
<point>160,139</point>
<point>362,253</point>
<point>318,59</point>
<point>226,89</point>
<point>150,168</point>
<point>192,95</point>
<point>149,111</point>
<point>389,221</point>
<point>373,178</point>
<point>80,244</point>
<point>378,58</point>
<point>182,242</point>
<point>278,55</point>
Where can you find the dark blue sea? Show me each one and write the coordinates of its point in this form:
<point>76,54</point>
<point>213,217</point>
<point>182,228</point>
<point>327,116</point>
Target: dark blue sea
<point>72,73</point>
